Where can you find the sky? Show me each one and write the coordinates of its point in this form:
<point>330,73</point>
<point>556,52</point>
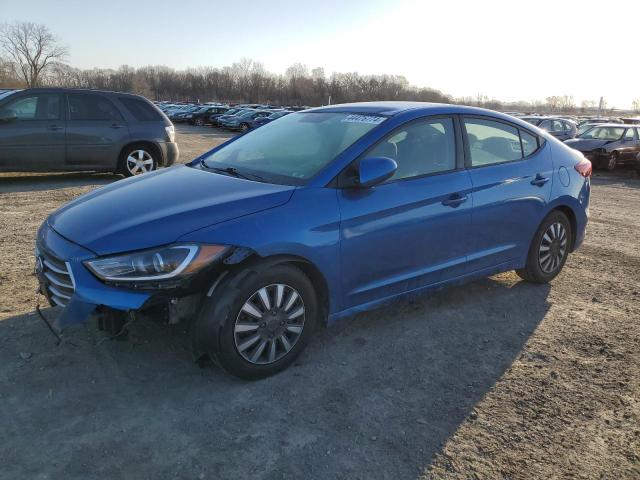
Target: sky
<point>508,50</point>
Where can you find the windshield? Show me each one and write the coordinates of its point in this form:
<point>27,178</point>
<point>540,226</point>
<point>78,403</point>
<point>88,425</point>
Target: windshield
<point>603,133</point>
<point>295,148</point>
<point>532,121</point>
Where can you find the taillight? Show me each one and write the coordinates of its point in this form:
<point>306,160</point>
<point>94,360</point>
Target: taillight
<point>583,167</point>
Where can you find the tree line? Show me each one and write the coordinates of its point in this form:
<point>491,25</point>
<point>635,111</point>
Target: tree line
<point>31,56</point>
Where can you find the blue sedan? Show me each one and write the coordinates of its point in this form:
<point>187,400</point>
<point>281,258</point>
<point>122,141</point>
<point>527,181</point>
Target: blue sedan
<point>312,218</point>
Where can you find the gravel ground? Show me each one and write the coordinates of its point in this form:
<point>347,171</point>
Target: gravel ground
<point>494,379</point>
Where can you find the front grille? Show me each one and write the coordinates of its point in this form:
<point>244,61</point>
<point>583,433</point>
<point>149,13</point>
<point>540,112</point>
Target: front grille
<point>57,279</point>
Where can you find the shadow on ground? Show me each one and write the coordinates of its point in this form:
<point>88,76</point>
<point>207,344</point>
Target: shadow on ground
<point>25,182</point>
<point>374,396</point>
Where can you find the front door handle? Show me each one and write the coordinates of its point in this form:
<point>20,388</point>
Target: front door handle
<point>539,181</point>
<point>54,127</point>
<point>455,200</point>
<point>117,125</point>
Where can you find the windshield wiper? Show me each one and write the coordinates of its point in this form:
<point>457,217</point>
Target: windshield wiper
<point>234,172</point>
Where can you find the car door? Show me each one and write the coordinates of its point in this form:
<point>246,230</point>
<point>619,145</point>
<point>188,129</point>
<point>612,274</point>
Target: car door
<point>629,145</point>
<point>511,172</point>
<point>96,132</point>
<point>412,230</point>
<point>33,140</point>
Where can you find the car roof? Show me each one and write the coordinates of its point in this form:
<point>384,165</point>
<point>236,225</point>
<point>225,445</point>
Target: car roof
<point>79,90</point>
<point>392,108</point>
<point>546,117</point>
<point>616,125</point>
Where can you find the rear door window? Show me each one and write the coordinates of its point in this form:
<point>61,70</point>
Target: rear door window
<point>83,106</point>
<point>492,142</point>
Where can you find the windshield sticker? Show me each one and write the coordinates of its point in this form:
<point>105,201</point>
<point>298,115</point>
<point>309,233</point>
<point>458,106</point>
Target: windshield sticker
<point>353,118</point>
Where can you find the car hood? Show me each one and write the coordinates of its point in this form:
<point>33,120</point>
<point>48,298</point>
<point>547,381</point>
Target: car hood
<point>157,208</point>
<point>585,144</point>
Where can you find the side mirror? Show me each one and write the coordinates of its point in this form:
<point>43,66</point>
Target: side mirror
<point>8,116</point>
<point>374,170</point>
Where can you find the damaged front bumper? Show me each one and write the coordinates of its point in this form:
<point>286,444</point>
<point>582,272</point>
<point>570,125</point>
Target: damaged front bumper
<point>66,282</point>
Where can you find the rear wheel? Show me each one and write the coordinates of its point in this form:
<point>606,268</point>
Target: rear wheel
<point>267,321</point>
<point>549,249</point>
<point>199,122</point>
<point>138,159</point>
<point>244,127</point>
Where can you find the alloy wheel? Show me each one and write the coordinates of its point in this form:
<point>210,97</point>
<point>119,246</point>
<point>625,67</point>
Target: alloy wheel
<point>139,162</point>
<point>553,248</point>
<point>269,324</point>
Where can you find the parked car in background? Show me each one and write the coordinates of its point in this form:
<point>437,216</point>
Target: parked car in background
<point>204,115</point>
<point>54,129</point>
<point>183,115</point>
<point>599,120</point>
<point>585,127</point>
<point>608,145</point>
<point>561,128</point>
<point>258,122</point>
<point>322,214</point>
<point>217,119</point>
<point>243,121</point>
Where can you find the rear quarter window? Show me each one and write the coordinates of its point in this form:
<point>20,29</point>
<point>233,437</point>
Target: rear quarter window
<point>141,110</point>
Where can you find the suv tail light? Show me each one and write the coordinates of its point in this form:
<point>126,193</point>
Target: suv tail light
<point>583,167</point>
<point>171,133</point>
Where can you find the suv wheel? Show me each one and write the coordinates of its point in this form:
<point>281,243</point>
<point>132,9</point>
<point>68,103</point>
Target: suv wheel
<point>137,160</point>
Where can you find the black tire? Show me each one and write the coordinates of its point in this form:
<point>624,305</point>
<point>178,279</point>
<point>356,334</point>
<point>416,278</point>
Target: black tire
<point>199,122</point>
<point>534,270</point>
<point>149,156</point>
<point>244,127</point>
<point>223,310</point>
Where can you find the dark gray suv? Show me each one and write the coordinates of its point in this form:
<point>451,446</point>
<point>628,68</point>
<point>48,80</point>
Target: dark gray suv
<point>54,129</point>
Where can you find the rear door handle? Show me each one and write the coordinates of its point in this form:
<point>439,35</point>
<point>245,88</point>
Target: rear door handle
<point>455,200</point>
<point>54,127</point>
<point>539,181</point>
<point>117,125</point>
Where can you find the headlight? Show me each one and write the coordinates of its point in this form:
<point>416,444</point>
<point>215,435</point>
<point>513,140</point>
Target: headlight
<point>156,264</point>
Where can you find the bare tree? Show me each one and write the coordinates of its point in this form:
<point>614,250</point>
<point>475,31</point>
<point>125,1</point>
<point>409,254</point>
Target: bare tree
<point>32,49</point>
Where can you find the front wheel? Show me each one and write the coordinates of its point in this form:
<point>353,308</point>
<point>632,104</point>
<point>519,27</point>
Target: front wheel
<point>199,122</point>
<point>268,320</point>
<point>244,127</point>
<point>612,161</point>
<point>549,249</point>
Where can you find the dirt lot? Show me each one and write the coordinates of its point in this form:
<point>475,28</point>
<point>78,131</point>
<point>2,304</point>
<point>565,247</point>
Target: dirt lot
<point>496,379</point>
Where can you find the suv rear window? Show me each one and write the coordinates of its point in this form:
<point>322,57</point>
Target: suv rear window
<point>141,110</point>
